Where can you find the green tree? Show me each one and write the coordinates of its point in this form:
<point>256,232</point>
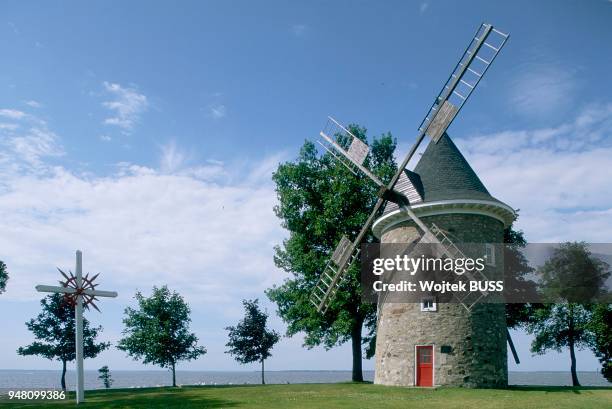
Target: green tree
<point>571,279</point>
<point>516,272</point>
<point>3,277</point>
<point>601,327</point>
<point>558,326</point>
<point>250,340</point>
<point>158,331</point>
<point>54,327</point>
<point>319,201</point>
<point>105,376</point>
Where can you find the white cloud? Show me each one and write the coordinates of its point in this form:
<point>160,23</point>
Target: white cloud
<point>299,29</point>
<point>33,104</point>
<point>423,7</point>
<point>127,105</point>
<point>105,138</point>
<point>8,126</point>
<point>207,231</point>
<point>218,111</point>
<point>35,144</point>
<point>542,89</point>
<point>557,176</point>
<point>172,158</point>
<point>13,27</point>
<point>12,114</point>
<point>25,143</point>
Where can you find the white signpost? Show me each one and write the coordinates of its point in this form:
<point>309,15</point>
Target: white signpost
<point>79,291</point>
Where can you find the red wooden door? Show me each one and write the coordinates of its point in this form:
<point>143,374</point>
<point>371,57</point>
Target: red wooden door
<point>424,365</point>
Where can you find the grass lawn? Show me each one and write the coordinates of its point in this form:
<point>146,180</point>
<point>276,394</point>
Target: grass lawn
<point>341,395</point>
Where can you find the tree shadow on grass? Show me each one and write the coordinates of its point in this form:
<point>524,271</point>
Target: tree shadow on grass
<point>557,389</point>
<point>186,397</point>
<point>136,398</point>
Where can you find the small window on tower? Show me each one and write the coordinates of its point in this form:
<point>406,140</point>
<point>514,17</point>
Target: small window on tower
<point>490,254</point>
<point>428,304</point>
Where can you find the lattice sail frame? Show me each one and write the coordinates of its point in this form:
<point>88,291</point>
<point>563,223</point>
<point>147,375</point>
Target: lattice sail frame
<point>333,274</point>
<point>448,249</point>
<point>87,284</point>
<point>335,138</point>
<point>479,55</point>
<point>472,66</point>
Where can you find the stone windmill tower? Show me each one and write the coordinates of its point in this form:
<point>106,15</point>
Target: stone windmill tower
<point>442,202</point>
<point>431,343</point>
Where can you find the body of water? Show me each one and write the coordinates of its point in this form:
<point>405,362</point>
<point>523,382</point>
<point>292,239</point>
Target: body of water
<point>24,379</point>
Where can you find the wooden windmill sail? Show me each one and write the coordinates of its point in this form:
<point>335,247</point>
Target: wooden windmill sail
<point>351,152</point>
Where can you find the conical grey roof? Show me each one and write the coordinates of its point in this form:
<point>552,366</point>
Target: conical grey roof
<point>446,175</point>
<point>441,181</point>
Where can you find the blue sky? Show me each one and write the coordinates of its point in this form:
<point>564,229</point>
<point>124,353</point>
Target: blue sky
<point>146,133</point>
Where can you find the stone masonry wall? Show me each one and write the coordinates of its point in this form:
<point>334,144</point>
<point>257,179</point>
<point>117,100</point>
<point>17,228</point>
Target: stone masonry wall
<point>477,339</point>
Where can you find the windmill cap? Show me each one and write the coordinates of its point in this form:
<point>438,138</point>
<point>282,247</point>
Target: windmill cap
<point>445,174</point>
<point>444,180</point>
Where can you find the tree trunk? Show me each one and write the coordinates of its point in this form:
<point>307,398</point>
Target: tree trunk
<point>263,382</point>
<point>356,346</point>
<point>573,367</point>
<point>173,375</point>
<point>570,341</point>
<point>64,375</point>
